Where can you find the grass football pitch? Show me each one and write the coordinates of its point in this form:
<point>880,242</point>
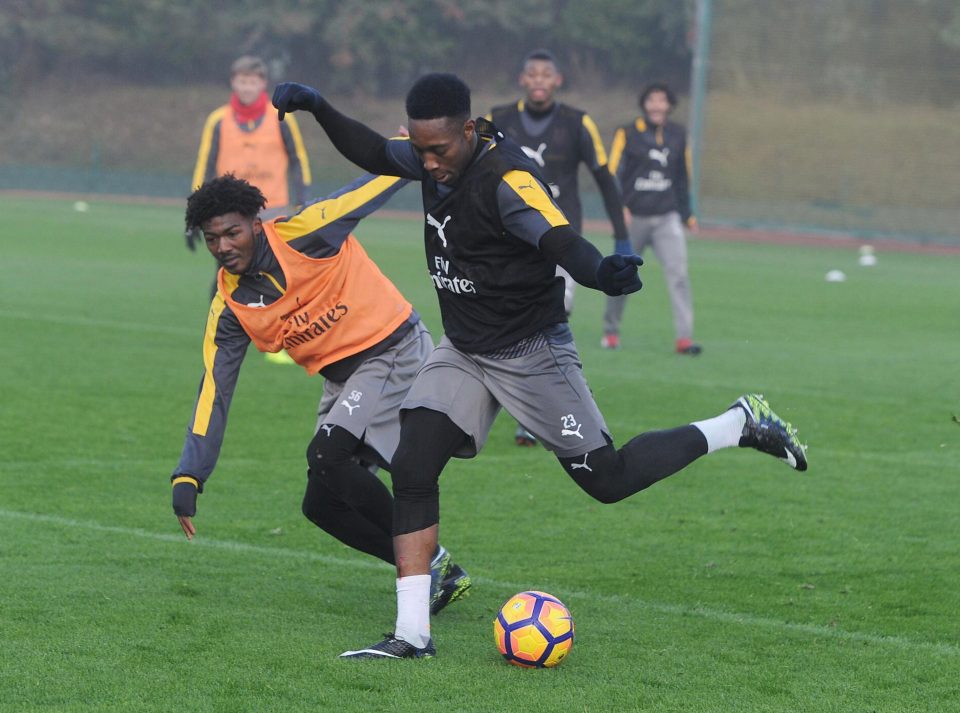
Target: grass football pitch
<point>737,585</point>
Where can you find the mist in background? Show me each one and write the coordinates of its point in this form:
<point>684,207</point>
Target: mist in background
<point>820,116</point>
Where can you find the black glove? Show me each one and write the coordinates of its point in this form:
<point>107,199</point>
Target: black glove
<point>184,496</point>
<point>290,96</point>
<point>617,274</point>
<point>192,236</point>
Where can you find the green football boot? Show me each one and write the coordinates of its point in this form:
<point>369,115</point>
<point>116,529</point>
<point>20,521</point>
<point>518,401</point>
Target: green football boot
<point>768,433</point>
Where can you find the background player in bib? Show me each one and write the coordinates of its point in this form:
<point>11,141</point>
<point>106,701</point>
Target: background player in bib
<point>650,159</point>
<point>305,284</point>
<point>493,237</point>
<point>244,139</point>
<point>558,138</point>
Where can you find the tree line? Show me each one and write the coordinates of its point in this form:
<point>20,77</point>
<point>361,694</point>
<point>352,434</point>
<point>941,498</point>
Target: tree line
<point>373,46</point>
<point>876,48</point>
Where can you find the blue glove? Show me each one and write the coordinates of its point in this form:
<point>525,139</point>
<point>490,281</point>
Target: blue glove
<point>290,96</point>
<point>617,274</point>
<point>622,247</point>
<point>184,496</point>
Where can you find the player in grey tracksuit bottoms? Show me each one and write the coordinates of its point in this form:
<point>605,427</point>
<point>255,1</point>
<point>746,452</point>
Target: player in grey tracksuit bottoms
<point>649,158</point>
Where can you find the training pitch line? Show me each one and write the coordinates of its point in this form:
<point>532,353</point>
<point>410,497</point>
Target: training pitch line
<point>715,615</point>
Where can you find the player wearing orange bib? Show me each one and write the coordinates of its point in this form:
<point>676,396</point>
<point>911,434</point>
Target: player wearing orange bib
<point>305,285</point>
<point>243,138</point>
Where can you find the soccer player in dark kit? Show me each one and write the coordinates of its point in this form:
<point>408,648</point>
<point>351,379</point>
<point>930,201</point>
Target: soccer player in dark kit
<point>558,138</point>
<point>649,158</point>
<point>493,238</point>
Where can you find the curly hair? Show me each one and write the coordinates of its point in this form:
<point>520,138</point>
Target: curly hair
<point>219,196</point>
<point>438,96</point>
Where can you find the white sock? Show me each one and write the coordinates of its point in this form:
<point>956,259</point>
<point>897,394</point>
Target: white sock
<point>413,609</point>
<point>723,431</point>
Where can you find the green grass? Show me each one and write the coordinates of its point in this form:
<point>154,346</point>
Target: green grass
<point>738,585</point>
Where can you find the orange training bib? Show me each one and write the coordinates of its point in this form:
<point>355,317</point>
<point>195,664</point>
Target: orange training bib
<point>257,156</point>
<point>333,308</point>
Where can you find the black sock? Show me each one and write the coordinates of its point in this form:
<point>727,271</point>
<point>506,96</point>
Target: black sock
<point>611,475</point>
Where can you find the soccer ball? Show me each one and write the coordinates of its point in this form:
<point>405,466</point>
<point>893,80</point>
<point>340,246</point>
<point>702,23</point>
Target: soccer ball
<point>533,630</point>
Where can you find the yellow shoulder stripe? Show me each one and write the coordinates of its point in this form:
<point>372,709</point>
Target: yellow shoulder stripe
<point>231,281</point>
<point>275,283</point>
<point>301,149</point>
<point>591,128</point>
<point>206,141</point>
<point>201,419</point>
<point>531,192</point>
<point>322,213</point>
<point>616,149</point>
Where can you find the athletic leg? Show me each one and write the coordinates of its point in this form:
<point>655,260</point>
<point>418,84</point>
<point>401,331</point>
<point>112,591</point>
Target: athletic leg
<point>640,236</point>
<point>345,499</point>
<point>610,475</point>
<point>670,246</point>
<point>612,317</point>
<point>326,510</point>
<point>448,411</point>
<point>428,439</point>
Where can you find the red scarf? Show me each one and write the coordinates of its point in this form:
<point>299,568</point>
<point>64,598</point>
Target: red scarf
<point>245,113</point>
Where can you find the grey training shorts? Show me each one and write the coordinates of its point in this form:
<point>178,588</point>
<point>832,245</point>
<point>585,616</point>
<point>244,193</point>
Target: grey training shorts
<point>368,403</point>
<point>544,390</point>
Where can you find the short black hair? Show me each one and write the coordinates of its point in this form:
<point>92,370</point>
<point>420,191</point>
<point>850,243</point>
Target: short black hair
<point>219,196</point>
<point>438,95</point>
<point>657,87</point>
<point>544,55</point>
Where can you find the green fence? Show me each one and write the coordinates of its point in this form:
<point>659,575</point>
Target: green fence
<point>835,116</point>
<point>826,116</point>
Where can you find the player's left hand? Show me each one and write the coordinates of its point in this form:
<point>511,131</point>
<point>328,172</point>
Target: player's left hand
<point>185,504</point>
<point>692,224</point>
<point>288,97</point>
<point>618,274</point>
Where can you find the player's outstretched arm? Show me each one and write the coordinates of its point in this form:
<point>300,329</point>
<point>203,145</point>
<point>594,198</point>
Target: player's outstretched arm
<point>357,142</point>
<point>224,338</point>
<point>613,275</point>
